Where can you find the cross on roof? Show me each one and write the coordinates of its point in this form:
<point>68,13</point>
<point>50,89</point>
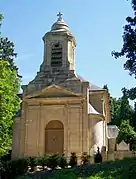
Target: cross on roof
<point>59,16</point>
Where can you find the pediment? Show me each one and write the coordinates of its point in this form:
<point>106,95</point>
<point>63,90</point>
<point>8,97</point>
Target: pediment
<point>53,91</point>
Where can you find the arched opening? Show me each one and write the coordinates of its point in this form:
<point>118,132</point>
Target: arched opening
<point>54,137</point>
<point>56,55</point>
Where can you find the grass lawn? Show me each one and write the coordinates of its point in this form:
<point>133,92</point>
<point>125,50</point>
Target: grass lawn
<point>122,169</point>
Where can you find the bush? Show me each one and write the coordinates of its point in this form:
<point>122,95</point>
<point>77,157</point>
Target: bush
<point>32,162</point>
<point>85,159</point>
<point>17,167</point>
<point>62,161</point>
<point>53,161</point>
<point>2,168</point>
<point>73,159</point>
<point>42,161</point>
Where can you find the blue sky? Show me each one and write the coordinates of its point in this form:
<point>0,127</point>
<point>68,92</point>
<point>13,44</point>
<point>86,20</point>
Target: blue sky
<point>96,25</point>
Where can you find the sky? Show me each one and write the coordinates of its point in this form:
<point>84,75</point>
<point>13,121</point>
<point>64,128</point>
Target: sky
<point>96,25</point>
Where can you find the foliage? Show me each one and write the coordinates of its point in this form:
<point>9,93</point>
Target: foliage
<point>122,169</point>
<point>85,159</point>
<point>23,177</point>
<point>73,159</point>
<point>17,167</point>
<point>127,134</point>
<point>42,161</point>
<point>120,108</point>
<point>2,166</point>
<point>53,161</point>
<point>1,17</point>
<point>9,104</point>
<point>126,110</point>
<point>115,110</point>
<point>32,162</point>
<point>133,119</point>
<point>129,47</point>
<point>108,170</point>
<point>62,161</point>
<point>129,43</point>
<point>9,88</point>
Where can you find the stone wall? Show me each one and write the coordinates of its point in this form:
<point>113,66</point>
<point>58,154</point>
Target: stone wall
<point>71,112</point>
<point>96,132</point>
<point>116,155</point>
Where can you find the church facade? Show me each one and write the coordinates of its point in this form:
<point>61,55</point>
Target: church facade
<point>61,112</point>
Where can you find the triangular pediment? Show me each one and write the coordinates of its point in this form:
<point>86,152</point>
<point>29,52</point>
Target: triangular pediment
<point>53,91</point>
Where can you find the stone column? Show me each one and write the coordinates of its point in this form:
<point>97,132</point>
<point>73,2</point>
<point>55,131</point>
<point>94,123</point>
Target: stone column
<point>111,148</point>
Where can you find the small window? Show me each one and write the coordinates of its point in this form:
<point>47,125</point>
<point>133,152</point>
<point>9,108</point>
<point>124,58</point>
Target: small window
<point>56,55</point>
<point>56,45</point>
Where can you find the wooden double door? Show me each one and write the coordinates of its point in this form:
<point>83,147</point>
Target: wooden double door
<point>54,137</point>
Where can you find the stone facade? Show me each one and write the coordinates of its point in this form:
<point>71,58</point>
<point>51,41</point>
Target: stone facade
<point>61,112</point>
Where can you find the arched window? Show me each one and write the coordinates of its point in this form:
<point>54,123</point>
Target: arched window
<point>56,55</point>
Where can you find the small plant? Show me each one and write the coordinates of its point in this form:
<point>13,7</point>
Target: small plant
<point>53,161</point>
<point>42,161</point>
<point>85,159</point>
<point>17,167</point>
<point>32,161</point>
<point>62,161</point>
<point>73,159</point>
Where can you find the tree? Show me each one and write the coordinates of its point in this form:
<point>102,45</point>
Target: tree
<point>120,108</point>
<point>133,119</point>
<point>9,88</point>
<point>127,134</point>
<point>126,110</point>
<point>115,111</point>
<point>129,47</point>
<point>114,107</point>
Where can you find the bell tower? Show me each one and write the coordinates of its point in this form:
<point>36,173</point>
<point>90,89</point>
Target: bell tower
<point>58,64</point>
<point>59,47</point>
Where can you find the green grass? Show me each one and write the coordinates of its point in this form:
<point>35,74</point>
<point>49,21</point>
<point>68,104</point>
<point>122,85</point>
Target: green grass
<point>123,169</point>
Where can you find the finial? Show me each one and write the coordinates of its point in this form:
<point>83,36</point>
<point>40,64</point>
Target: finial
<point>59,16</point>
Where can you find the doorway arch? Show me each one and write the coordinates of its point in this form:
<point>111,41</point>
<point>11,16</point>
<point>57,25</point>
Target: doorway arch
<point>54,137</point>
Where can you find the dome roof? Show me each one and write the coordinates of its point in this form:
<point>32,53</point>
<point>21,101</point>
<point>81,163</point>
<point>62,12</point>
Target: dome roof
<point>60,25</point>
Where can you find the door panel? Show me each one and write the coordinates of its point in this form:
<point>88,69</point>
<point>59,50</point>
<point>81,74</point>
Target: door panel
<point>54,141</point>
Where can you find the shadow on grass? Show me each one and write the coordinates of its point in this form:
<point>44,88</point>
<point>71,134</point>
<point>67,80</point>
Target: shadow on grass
<point>123,169</point>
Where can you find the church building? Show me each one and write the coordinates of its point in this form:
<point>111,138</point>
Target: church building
<point>61,112</point>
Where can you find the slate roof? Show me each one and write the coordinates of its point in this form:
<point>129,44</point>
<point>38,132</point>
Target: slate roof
<point>92,110</point>
<point>92,86</point>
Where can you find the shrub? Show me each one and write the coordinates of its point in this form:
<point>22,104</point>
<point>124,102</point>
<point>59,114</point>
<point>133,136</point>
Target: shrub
<point>85,159</point>
<point>62,161</point>
<point>17,167</point>
<point>42,161</point>
<point>32,161</point>
<point>6,157</point>
<point>53,161</point>
<point>2,169</point>
<point>73,159</point>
